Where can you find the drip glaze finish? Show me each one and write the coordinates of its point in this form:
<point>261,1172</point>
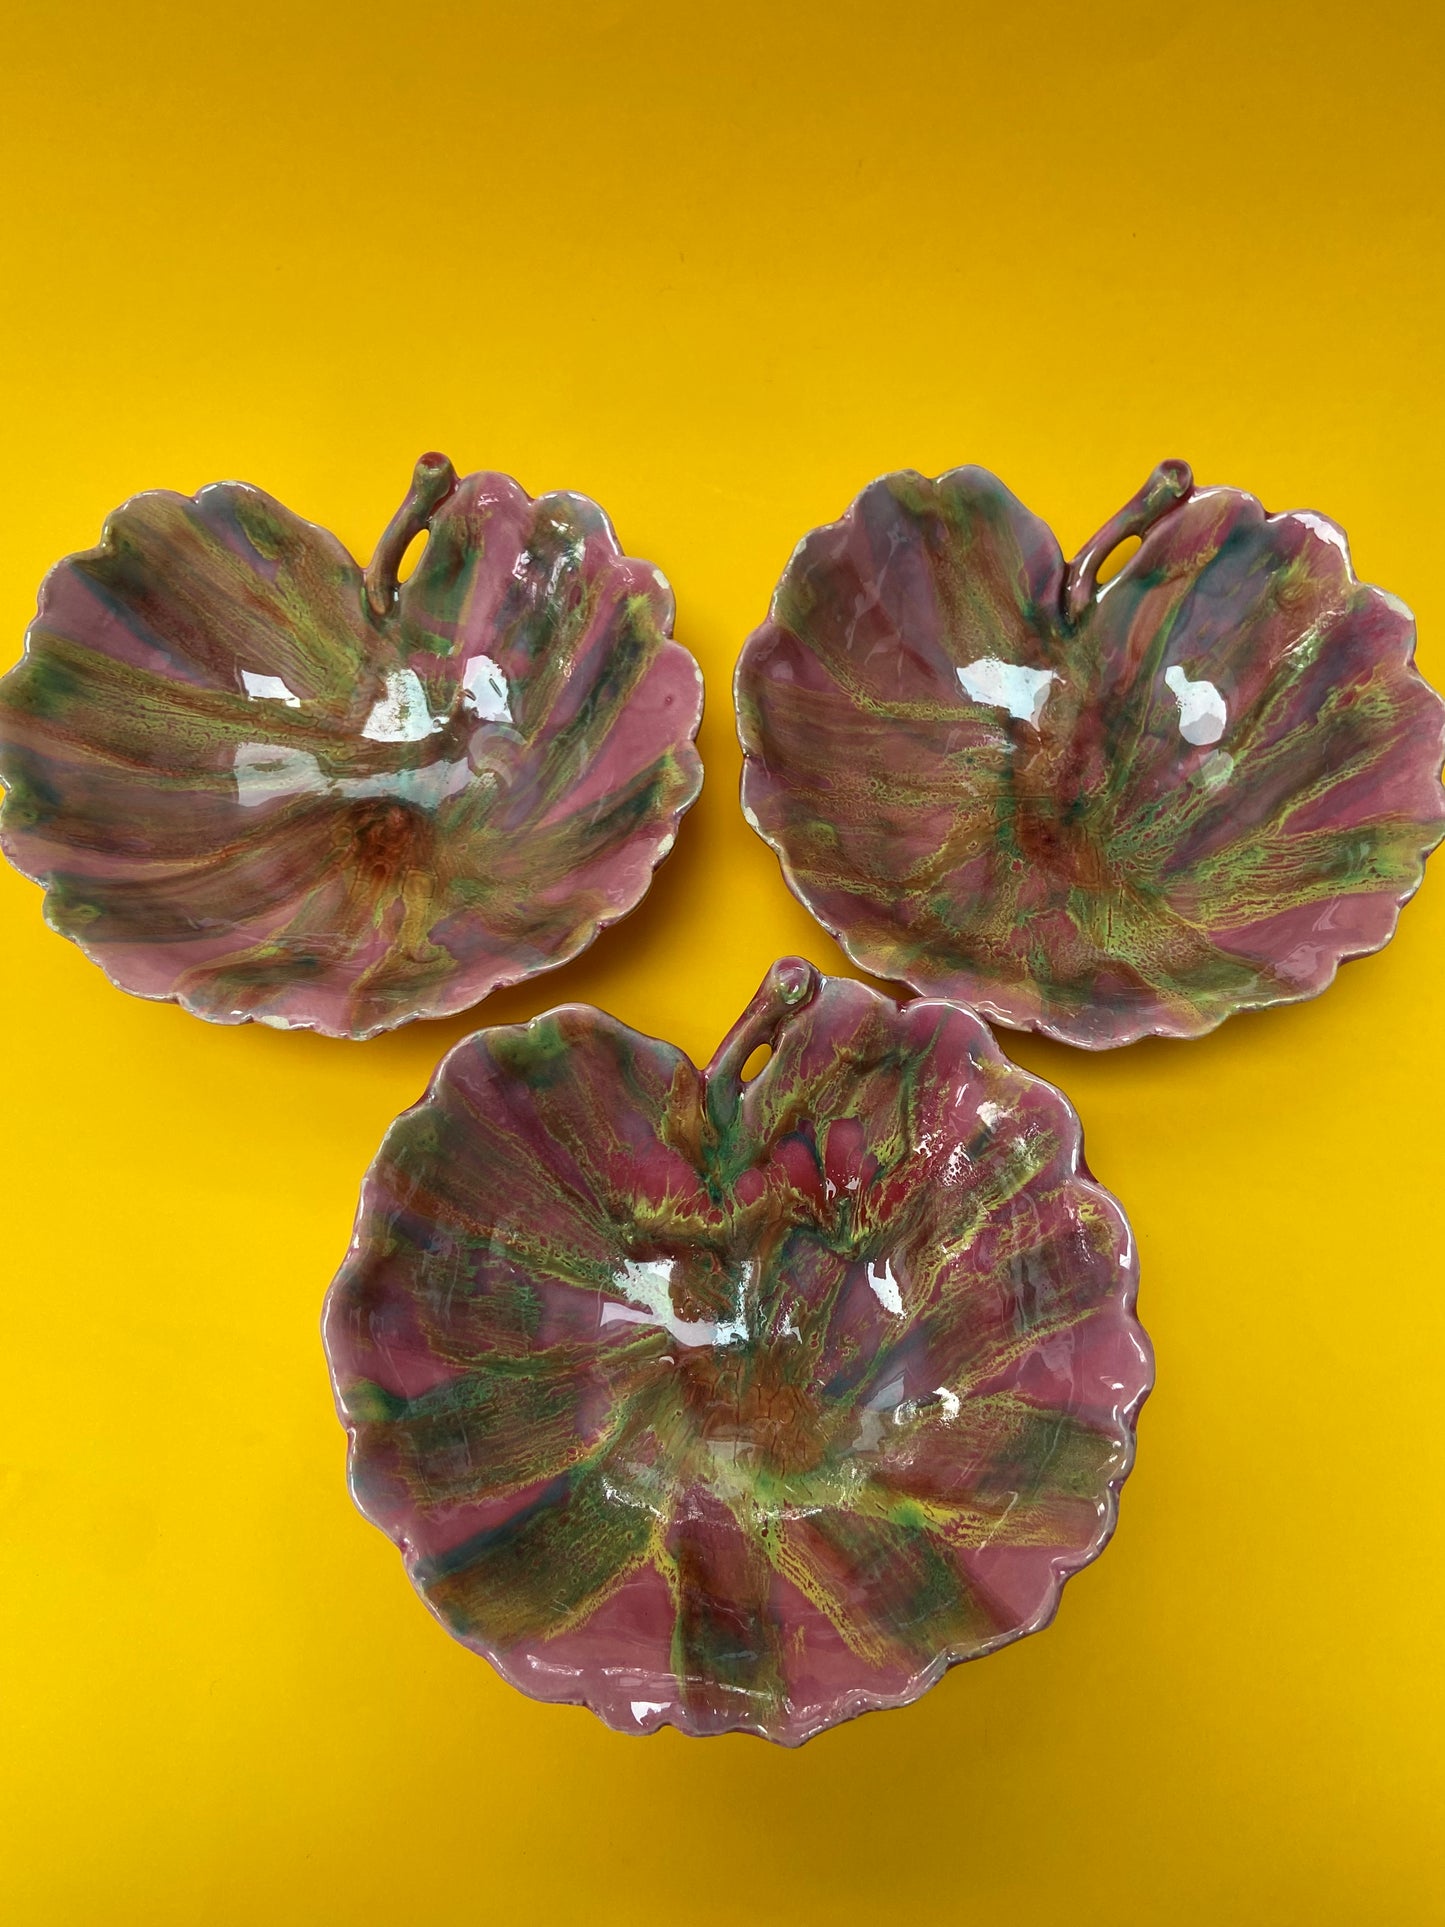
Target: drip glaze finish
<point>737,1405</point>
<point>267,784</point>
<point>1102,813</point>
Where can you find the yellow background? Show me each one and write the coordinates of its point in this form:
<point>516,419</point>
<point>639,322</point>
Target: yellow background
<point>718,267</point>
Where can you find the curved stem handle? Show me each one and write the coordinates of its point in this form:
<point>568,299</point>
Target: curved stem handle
<point>1166,487</point>
<point>431,483</point>
<point>788,986</point>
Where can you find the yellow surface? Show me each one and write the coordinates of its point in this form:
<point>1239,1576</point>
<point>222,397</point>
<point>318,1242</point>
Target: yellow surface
<point>717,267</point>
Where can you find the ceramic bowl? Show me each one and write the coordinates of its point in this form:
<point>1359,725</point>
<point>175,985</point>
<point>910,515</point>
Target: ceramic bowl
<point>739,1404</point>
<point>259,780</point>
<point>1098,812</point>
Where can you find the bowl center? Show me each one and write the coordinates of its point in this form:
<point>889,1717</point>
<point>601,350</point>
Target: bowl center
<point>747,1387</point>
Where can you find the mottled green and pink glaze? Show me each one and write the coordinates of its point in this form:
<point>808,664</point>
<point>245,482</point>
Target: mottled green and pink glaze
<point>1102,813</point>
<point>739,1405</point>
<point>259,780</point>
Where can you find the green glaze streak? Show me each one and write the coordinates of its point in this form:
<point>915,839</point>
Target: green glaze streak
<point>546,1566</point>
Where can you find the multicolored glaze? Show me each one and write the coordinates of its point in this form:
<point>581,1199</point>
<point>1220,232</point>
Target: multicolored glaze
<point>267,784</point>
<point>739,1404</point>
<point>1102,813</point>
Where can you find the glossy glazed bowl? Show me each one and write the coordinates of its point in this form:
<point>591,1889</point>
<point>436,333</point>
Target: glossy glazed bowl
<point>263,782</point>
<point>1101,813</point>
<point>739,1405</point>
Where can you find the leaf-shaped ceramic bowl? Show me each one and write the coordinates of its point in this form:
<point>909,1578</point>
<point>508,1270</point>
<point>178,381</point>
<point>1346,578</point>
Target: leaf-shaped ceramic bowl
<point>1102,813</point>
<point>267,784</point>
<point>739,1405</point>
